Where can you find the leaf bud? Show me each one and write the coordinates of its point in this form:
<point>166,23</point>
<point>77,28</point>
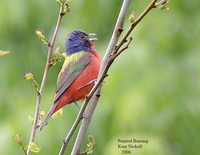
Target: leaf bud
<point>28,76</point>
<point>31,120</point>
<point>18,138</point>
<point>57,114</point>
<point>34,147</point>
<point>4,53</point>
<point>132,17</point>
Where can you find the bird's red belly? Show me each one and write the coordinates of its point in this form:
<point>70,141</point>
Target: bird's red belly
<point>76,91</point>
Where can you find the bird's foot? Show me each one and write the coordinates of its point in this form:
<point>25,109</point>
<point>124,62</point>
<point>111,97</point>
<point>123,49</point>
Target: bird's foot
<point>93,81</point>
<point>77,105</point>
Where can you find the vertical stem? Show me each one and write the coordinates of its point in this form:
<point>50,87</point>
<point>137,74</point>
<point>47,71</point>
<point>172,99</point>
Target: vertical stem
<point>34,127</point>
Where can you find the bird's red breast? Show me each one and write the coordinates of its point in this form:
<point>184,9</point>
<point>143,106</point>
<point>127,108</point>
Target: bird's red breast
<point>75,92</point>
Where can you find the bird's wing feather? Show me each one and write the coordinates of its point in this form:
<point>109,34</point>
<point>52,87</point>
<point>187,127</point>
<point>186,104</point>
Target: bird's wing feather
<point>72,68</point>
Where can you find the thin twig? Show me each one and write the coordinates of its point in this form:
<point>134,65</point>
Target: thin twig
<point>23,149</point>
<point>34,127</point>
<point>113,57</point>
<point>97,88</point>
<point>133,25</point>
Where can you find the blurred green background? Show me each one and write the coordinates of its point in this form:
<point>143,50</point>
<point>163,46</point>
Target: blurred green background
<point>153,90</point>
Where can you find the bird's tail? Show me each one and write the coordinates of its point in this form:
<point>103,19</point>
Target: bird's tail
<point>51,111</point>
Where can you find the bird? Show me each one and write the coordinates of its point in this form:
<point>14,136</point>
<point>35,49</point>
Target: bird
<point>78,73</point>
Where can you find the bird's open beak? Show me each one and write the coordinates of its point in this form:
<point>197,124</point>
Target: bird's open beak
<point>91,35</point>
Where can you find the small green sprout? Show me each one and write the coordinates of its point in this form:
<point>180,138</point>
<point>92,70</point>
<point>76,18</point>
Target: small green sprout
<point>42,37</point>
<point>90,145</point>
<point>29,76</point>
<point>18,139</point>
<point>163,4</point>
<point>132,17</point>
<point>58,113</point>
<point>34,147</point>
<point>4,53</point>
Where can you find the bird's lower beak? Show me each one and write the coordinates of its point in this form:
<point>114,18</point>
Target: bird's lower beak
<point>91,35</point>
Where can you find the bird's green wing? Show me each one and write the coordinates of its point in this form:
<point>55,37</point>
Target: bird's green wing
<point>72,68</point>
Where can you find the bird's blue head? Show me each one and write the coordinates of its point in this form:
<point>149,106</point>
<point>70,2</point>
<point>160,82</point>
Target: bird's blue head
<point>79,40</point>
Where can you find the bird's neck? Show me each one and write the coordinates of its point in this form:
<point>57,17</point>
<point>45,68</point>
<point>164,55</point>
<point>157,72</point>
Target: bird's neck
<point>92,46</point>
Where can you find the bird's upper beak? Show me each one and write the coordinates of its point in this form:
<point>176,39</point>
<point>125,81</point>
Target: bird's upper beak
<point>91,35</point>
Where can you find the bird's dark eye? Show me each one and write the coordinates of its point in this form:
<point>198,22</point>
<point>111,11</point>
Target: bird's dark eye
<point>81,37</point>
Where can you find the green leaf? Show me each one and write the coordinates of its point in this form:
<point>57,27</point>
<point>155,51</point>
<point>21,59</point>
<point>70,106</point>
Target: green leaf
<point>42,114</point>
<point>34,147</point>
<point>18,138</point>
<point>4,53</point>
<point>31,120</point>
<point>28,76</point>
<point>41,36</point>
<point>57,114</point>
<point>132,17</point>
<point>163,4</point>
<point>64,55</point>
<point>90,152</point>
<point>91,140</point>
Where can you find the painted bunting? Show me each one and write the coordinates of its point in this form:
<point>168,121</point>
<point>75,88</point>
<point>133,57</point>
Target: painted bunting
<point>79,71</point>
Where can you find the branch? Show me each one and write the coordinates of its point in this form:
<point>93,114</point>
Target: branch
<point>117,31</point>
<point>113,57</point>
<point>34,127</point>
<point>134,24</point>
<point>103,71</point>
